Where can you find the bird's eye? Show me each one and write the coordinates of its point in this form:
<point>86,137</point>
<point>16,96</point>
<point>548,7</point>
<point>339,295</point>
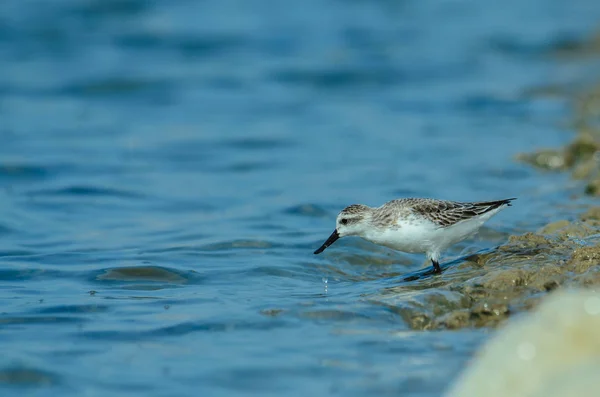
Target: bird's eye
<point>344,221</point>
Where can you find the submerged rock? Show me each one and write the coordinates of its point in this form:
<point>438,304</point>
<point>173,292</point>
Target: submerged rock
<point>582,156</point>
<point>554,351</point>
<point>548,159</point>
<point>578,155</point>
<point>487,289</point>
<point>593,187</point>
<point>593,214</point>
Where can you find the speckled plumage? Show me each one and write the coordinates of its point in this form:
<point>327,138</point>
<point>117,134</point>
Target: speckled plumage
<point>441,212</point>
<point>355,209</point>
<point>415,224</point>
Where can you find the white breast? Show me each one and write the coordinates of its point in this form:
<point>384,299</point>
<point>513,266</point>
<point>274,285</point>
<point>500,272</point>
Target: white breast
<point>414,236</point>
<point>418,235</point>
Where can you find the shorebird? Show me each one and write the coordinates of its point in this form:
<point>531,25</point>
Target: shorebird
<point>415,225</point>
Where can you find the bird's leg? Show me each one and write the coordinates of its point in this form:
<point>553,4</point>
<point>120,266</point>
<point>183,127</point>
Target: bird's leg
<point>436,266</point>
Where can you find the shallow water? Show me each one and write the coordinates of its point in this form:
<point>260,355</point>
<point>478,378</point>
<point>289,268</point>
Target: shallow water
<point>168,168</point>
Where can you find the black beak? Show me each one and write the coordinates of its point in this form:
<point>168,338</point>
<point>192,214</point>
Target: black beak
<point>334,236</point>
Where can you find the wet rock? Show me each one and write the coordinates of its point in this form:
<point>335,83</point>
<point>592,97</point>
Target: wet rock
<point>419,308</point>
<point>586,169</point>
<point>272,312</point>
<point>582,155</point>
<point>545,277</point>
<point>592,222</point>
<point>489,313</point>
<point>554,227</point>
<point>547,159</point>
<point>546,353</point>
<point>487,289</point>
<point>566,231</point>
<point>512,279</point>
<point>453,320</point>
<point>583,258</point>
<point>581,149</point>
<point>591,214</point>
<point>527,243</point>
<point>590,278</point>
<point>418,321</point>
<point>593,188</point>
<point>551,285</point>
<point>503,279</point>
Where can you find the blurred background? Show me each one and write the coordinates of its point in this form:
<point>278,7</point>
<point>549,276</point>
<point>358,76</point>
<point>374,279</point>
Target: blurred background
<point>168,167</point>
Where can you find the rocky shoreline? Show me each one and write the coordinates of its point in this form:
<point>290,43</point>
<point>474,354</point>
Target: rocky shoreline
<point>487,289</point>
<point>554,272</point>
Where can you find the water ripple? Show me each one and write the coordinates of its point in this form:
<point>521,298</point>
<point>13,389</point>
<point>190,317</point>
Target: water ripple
<point>46,320</point>
<point>83,190</point>
<point>337,78</point>
<point>311,210</point>
<point>185,328</point>
<point>74,309</point>
<point>239,244</point>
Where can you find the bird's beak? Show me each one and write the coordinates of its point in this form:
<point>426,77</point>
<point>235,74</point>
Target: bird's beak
<point>334,236</point>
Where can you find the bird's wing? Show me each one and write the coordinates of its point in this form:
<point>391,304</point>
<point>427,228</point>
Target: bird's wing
<point>447,213</point>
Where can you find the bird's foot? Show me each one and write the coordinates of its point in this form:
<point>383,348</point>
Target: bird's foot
<point>436,267</point>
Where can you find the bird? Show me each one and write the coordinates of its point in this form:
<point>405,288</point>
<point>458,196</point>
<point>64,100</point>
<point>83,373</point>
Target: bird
<point>415,225</point>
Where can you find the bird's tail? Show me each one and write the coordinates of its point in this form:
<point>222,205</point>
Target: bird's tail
<point>486,206</point>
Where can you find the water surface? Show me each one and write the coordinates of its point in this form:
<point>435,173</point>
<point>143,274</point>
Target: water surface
<point>167,169</point>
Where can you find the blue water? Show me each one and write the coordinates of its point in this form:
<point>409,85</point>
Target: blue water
<point>167,169</point>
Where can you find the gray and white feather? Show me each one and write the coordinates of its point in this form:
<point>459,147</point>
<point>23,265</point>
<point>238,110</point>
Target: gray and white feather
<point>415,225</point>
